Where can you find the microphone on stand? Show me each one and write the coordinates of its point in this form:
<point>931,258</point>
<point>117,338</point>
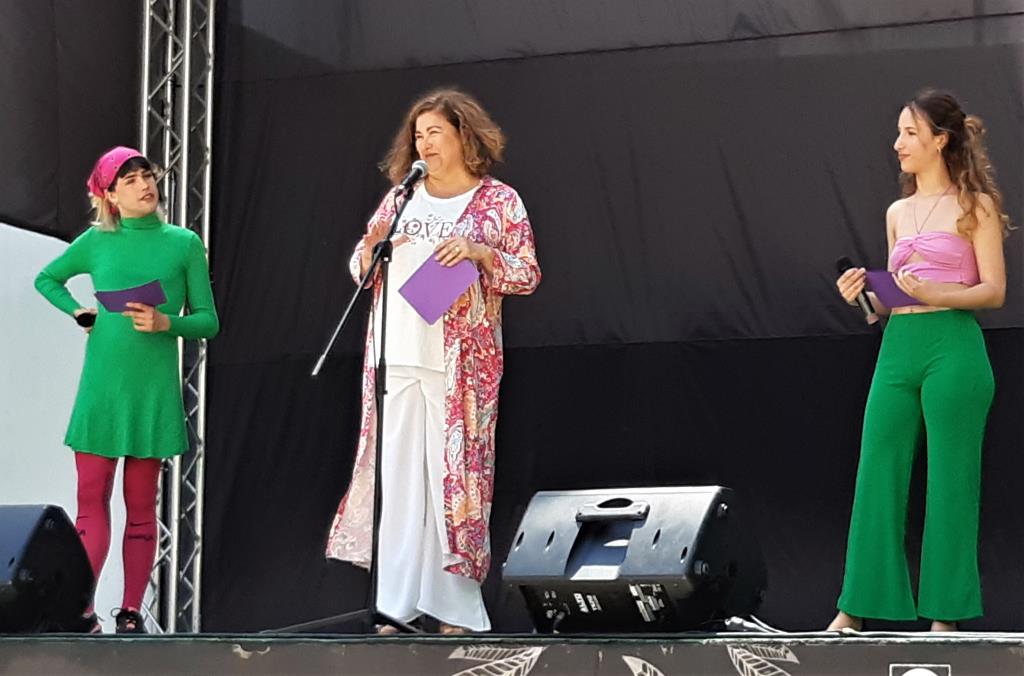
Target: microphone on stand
<point>870,316</point>
<point>417,171</point>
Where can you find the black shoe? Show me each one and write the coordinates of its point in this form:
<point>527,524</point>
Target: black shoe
<point>89,624</point>
<point>129,622</point>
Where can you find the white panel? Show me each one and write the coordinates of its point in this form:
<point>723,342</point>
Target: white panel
<point>41,352</point>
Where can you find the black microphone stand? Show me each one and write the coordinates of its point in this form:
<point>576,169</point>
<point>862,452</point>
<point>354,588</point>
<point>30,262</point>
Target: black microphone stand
<point>381,257</point>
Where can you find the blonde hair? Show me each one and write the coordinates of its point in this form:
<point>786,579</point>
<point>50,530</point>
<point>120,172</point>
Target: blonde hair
<point>104,218</point>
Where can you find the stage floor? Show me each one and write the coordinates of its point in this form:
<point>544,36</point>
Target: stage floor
<point>869,654</point>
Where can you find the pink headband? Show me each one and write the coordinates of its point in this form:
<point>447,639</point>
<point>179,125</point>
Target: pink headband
<point>110,162</point>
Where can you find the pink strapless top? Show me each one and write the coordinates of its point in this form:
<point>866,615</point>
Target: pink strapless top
<point>947,258</point>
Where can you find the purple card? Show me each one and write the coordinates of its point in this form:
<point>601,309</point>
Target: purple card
<point>149,294</point>
<point>433,288</point>
<point>884,286</point>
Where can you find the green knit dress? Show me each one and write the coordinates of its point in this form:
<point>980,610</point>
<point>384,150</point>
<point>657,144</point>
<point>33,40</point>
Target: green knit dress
<point>129,396</point>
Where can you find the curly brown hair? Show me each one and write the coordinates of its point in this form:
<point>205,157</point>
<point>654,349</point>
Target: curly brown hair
<point>482,139</point>
<point>964,153</point>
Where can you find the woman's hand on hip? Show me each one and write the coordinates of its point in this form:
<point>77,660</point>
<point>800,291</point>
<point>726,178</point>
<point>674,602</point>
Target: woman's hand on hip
<point>851,284</point>
<point>146,318</point>
<point>456,249</point>
<point>86,311</point>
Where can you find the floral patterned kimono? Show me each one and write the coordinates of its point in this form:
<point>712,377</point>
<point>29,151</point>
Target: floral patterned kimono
<point>473,365</point>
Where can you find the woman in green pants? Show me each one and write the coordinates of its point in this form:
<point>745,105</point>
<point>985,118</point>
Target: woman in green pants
<point>933,379</point>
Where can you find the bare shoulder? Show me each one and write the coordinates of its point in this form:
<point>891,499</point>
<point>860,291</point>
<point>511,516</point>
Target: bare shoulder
<point>985,206</point>
<point>895,209</point>
<point>893,214</point>
<point>988,217</point>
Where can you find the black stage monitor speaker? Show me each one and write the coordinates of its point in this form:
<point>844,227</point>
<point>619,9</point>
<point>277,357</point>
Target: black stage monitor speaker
<point>45,578</point>
<point>635,559</point>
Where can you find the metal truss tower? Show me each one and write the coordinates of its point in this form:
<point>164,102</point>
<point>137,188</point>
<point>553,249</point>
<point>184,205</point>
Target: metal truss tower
<point>176,128</point>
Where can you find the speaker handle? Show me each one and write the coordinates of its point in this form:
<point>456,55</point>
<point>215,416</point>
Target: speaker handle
<point>613,510</point>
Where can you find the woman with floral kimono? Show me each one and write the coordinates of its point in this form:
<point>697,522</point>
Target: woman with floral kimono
<point>441,400</point>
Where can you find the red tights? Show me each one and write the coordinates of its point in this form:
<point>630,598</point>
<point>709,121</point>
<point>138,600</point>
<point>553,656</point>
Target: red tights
<point>95,484</point>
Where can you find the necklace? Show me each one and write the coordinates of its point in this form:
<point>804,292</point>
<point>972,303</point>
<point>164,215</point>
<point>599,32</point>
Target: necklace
<point>938,199</point>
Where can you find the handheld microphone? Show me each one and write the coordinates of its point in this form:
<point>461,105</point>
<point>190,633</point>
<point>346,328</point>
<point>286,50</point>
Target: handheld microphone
<point>86,319</point>
<point>842,265</point>
<point>417,171</point>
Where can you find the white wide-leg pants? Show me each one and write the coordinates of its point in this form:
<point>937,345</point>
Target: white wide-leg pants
<point>413,546</point>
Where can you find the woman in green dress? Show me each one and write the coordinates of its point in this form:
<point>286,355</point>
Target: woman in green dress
<point>129,401</point>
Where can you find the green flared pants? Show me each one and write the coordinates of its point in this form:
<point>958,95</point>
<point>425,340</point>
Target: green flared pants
<point>932,368</point>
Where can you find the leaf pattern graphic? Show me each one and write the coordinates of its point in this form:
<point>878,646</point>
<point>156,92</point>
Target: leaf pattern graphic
<point>778,653</point>
<point>486,653</point>
<point>641,667</point>
<point>519,664</point>
<point>749,664</point>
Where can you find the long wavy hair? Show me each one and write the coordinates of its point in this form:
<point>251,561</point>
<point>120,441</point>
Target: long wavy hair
<point>105,215</point>
<point>964,154</point>
<point>482,139</point>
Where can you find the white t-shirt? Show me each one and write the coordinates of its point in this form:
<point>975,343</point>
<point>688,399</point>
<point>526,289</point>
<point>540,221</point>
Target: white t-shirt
<point>425,223</point>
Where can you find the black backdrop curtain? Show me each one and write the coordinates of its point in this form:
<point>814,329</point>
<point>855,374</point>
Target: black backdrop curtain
<point>692,171</point>
<point>69,89</point>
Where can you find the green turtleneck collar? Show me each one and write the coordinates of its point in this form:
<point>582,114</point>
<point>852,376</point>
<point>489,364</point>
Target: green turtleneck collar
<point>147,222</point>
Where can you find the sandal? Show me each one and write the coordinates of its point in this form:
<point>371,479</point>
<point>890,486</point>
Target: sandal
<point>845,623</point>
<point>446,628</point>
<point>129,621</point>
